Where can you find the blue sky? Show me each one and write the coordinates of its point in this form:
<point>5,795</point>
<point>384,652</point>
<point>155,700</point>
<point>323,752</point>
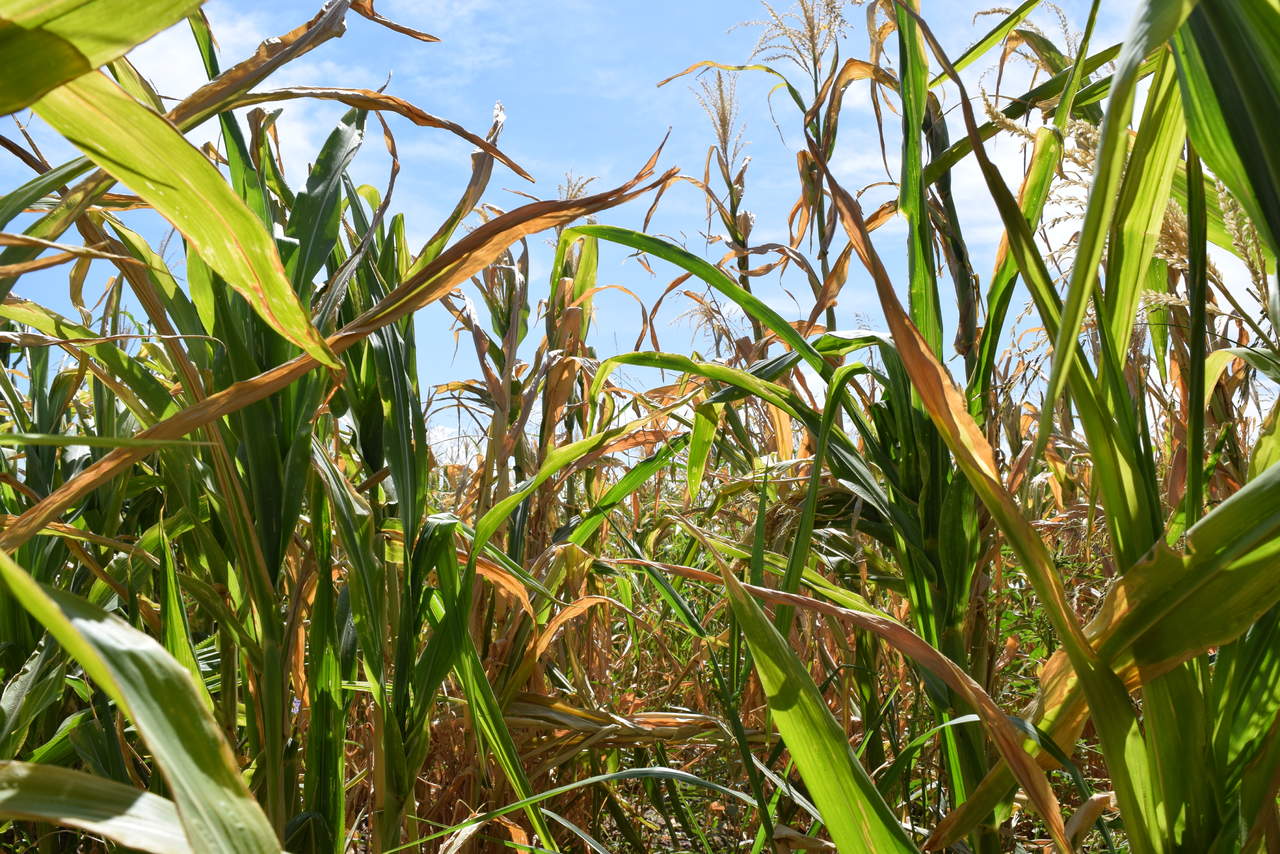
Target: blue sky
<point>577,83</point>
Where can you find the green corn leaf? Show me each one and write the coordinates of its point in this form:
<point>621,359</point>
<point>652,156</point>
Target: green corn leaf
<point>323,786</point>
<point>1198,296</point>
<point>1112,433</point>
<point>1175,605</point>
<point>56,440</point>
<point>856,815</point>
<point>366,582</point>
<point>1266,451</point>
<point>1228,56</point>
<point>121,813</point>
<point>1071,93</point>
<point>1155,24</point>
<point>799,556</point>
<point>1246,683</point>
<point>627,484</point>
<point>31,690</point>
<point>1265,362</point>
<point>713,276</point>
<point>46,43</point>
<point>1143,200</point>
<point>175,632</point>
<point>706,421</point>
<point>922,287</point>
<point>1046,155</point>
<point>1045,50</point>
<point>313,220</point>
<point>1117,724</point>
<point>148,398</point>
<point>770,392</point>
<point>19,199</point>
<point>562,456</point>
<point>628,774</point>
<point>1162,612</point>
<point>1018,107</point>
<point>993,37</point>
<point>144,151</point>
<point>486,713</point>
<point>158,695</point>
<point>1158,317</point>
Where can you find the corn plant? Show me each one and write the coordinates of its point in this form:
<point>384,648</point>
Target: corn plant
<point>778,600</point>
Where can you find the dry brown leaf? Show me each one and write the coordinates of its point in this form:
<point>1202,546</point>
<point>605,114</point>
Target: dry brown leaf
<point>365,8</point>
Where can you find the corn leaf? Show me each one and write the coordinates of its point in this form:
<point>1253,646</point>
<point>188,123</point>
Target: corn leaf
<point>158,695</point>
<point>1228,56</point>
<point>121,813</point>
<point>46,43</point>
<point>856,815</point>
<point>1155,24</point>
<point>144,151</point>
<point>993,37</point>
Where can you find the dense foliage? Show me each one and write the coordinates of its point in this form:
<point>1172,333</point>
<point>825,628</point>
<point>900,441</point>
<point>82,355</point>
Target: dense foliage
<point>956,584</point>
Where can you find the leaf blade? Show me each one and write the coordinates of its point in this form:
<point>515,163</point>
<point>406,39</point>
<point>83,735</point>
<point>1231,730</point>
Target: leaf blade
<point>144,151</point>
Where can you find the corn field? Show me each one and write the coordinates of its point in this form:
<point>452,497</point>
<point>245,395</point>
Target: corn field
<point>996,569</point>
